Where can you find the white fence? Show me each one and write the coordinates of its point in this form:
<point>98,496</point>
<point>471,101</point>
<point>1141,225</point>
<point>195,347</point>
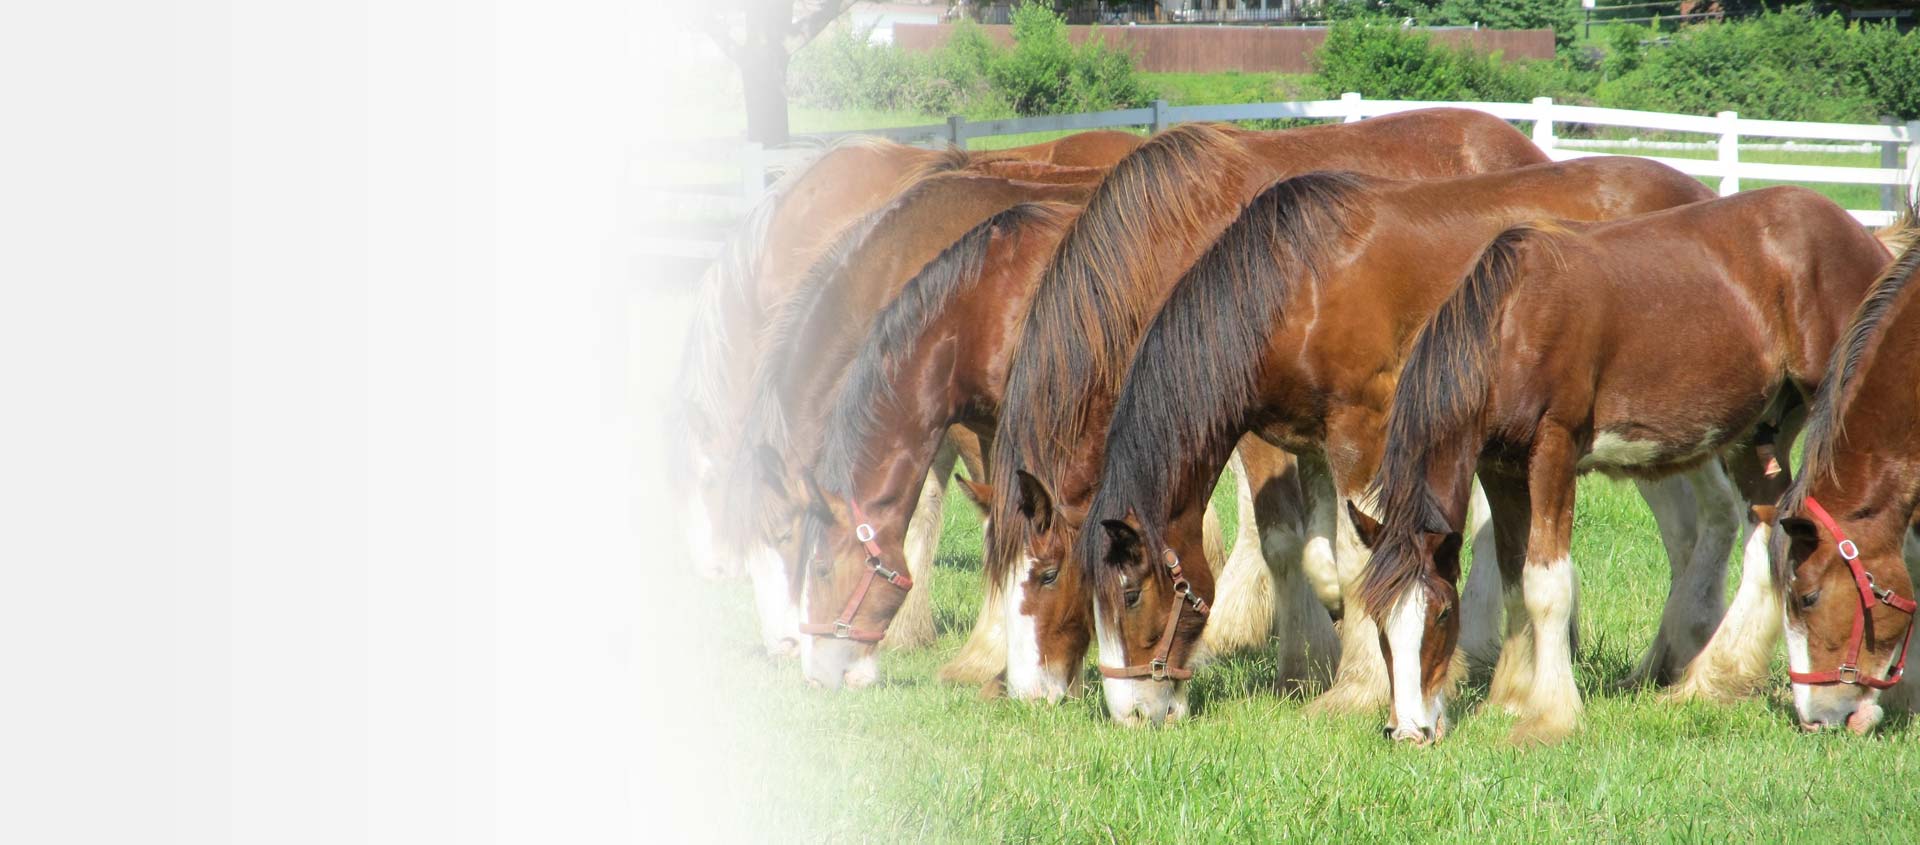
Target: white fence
<point>1898,173</point>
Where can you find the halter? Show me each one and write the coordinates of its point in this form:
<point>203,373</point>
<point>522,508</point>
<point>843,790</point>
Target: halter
<point>842,628</point>
<point>1870,594</point>
<point>1158,668</point>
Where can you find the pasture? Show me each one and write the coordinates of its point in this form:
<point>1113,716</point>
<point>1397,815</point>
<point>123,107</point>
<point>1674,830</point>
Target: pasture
<point>916,760</point>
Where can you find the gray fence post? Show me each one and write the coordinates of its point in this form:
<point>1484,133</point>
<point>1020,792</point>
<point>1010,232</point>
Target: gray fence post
<point>753,173</point>
<point>1729,152</point>
<point>1159,116</point>
<point>1890,159</point>
<point>957,131</point>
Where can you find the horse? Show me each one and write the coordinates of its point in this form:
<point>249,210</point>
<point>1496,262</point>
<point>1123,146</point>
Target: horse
<point>811,342</point>
<point>1639,347</point>
<point>1843,543</point>
<point>1145,224</point>
<point>1291,327</point>
<point>758,267</point>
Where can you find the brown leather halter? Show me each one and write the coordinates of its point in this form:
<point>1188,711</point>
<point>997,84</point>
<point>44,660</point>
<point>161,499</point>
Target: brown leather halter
<point>1870,594</point>
<point>1159,668</point>
<point>842,628</point>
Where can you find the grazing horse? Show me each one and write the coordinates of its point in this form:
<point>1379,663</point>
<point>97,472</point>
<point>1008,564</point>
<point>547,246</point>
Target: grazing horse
<point>1640,347</point>
<point>800,216</point>
<point>812,340</point>
<point>1145,224</point>
<point>1292,327</point>
<point>1843,571</point>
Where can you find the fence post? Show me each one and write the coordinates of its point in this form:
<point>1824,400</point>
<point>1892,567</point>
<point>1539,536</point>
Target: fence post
<point>1890,159</point>
<point>1351,97</point>
<point>1729,153</point>
<point>1913,162</point>
<point>957,131</point>
<point>1543,122</point>
<point>1159,116</point>
<point>753,173</point>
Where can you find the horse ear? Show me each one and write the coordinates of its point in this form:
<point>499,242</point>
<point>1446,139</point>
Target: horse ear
<point>816,499</point>
<point>1366,526</point>
<point>1036,504</point>
<point>979,493</point>
<point>1445,553</point>
<point>1764,514</point>
<point>1800,529</point>
<point>773,469</point>
<point>1123,542</point>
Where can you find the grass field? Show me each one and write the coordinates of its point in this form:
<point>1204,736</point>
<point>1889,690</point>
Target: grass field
<point>913,759</point>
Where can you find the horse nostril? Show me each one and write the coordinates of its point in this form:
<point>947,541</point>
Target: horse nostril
<point>1426,732</point>
<point>1387,732</point>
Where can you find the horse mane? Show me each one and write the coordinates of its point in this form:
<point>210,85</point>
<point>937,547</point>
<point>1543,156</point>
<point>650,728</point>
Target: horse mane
<point>1825,428</point>
<point>702,384</point>
<point>783,347</point>
<point>1093,300</point>
<point>1198,365</point>
<point>1441,393</point>
<point>867,385</point>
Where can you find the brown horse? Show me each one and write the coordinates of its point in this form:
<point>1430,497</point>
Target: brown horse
<point>1640,347</point>
<point>813,339</point>
<point>802,214</point>
<point>1144,226</point>
<point>1844,526</point>
<point>800,217</point>
<point>1292,326</point>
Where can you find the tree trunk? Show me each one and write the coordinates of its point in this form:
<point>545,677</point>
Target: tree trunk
<point>763,77</point>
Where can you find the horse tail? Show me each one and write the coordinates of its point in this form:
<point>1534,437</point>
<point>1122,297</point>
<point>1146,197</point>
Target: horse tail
<point>1440,397</point>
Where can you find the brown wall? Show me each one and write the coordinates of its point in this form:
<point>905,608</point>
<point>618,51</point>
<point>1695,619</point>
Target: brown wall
<point>1205,49</point>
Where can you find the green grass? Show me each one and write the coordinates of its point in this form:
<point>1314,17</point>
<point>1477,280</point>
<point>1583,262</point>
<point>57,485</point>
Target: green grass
<point>913,759</point>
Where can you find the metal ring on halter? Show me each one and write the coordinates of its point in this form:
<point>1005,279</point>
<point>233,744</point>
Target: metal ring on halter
<point>863,532</point>
<point>1848,551</point>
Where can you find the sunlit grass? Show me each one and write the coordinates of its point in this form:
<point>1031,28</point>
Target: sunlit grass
<point>918,760</point>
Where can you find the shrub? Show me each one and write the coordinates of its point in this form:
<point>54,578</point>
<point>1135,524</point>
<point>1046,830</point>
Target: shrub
<point>1561,16</point>
<point>1043,73</point>
<point>1789,65</point>
<point>1378,58</point>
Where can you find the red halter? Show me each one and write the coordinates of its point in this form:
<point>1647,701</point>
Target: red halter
<point>842,628</point>
<point>1870,594</point>
<point>1158,667</point>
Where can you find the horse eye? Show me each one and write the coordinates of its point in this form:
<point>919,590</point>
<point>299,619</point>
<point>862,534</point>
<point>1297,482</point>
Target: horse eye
<point>1444,613</point>
<point>1133,598</point>
<point>1807,601</point>
<point>1048,577</point>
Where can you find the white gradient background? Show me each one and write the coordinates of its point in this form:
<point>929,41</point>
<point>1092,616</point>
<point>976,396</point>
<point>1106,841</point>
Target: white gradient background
<point>323,467</point>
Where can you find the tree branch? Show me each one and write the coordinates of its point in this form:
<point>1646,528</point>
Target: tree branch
<point>810,25</point>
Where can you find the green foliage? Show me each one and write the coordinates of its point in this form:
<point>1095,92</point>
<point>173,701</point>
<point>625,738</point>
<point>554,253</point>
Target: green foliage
<point>1561,16</point>
<point>1380,59</point>
<point>1043,73</point>
<point>1789,65</point>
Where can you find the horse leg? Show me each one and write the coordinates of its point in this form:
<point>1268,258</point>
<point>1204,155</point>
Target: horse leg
<point>1243,605</point>
<point>1318,561</point>
<point>1480,598</point>
<point>1696,602</point>
<point>1671,502</point>
<point>1304,639</point>
<point>1552,709</point>
<point>1360,683</point>
<point>983,656</point>
<point>912,627</point>
<point>1734,662</point>
<point>1510,510</point>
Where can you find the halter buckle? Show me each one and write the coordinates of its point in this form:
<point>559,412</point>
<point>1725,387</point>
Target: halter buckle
<point>1157,669</point>
<point>842,630</point>
<point>863,532</point>
<point>1848,673</point>
<point>1848,551</point>
<point>881,570</point>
